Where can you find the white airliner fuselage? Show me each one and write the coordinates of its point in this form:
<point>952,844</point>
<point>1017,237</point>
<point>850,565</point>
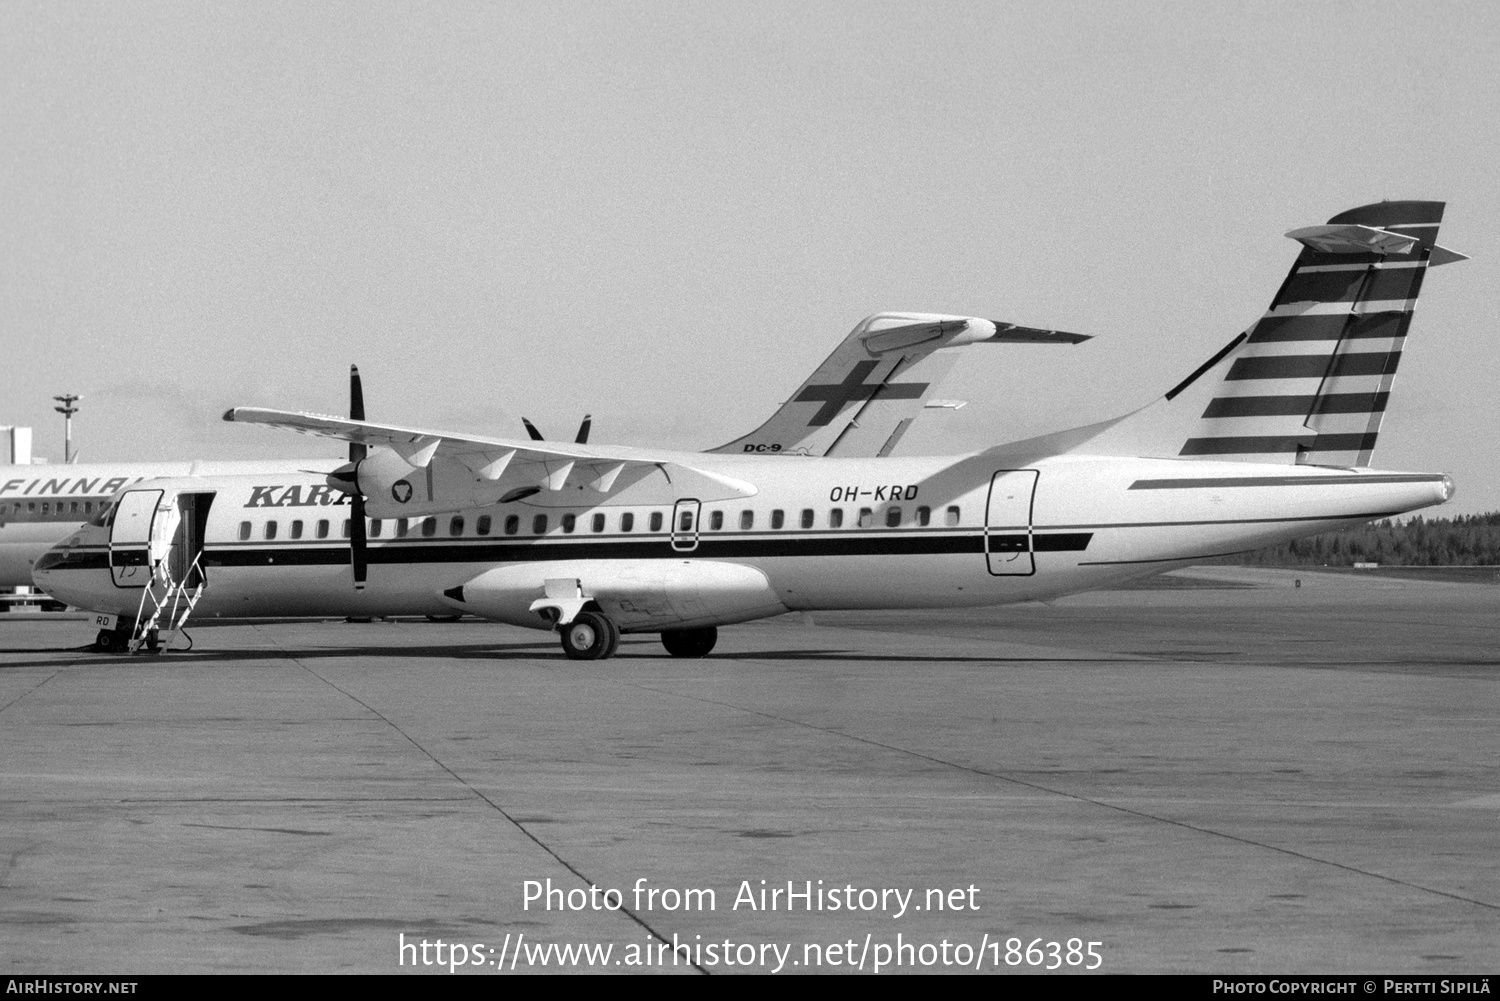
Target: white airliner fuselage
<point>1268,441</point>
<point>818,534</point>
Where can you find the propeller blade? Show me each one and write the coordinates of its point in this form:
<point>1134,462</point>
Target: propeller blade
<point>531,430</point>
<point>357,541</point>
<point>356,410</point>
<point>583,429</point>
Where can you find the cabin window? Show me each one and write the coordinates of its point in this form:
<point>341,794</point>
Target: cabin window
<point>539,525</point>
<point>598,524</point>
<point>244,531</point>
<point>348,528</point>
<point>374,528</point>
<point>747,520</point>
<point>893,517</point>
<point>716,520</point>
<point>512,524</point>
<point>429,527</point>
<point>482,526</point>
<point>402,527</point>
<point>924,516</point>
<point>807,517</point>
<point>685,521</point>
<point>88,506</point>
<point>656,521</point>
<point>270,529</point>
<point>322,528</point>
<point>950,517</point>
<point>46,507</point>
<point>778,518</point>
<point>456,525</point>
<point>836,517</point>
<point>31,506</point>
<point>569,522</point>
<point>627,521</point>
<point>866,517</point>
<point>73,506</point>
<point>297,528</point>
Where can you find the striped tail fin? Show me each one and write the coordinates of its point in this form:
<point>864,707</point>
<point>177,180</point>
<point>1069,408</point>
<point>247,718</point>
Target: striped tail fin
<point>1310,381</point>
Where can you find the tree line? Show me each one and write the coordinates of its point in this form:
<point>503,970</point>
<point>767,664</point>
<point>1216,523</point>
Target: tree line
<point>1467,540</point>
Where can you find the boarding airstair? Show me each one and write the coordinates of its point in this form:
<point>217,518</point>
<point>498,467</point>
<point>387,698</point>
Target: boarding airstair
<point>157,546</point>
<point>166,598</point>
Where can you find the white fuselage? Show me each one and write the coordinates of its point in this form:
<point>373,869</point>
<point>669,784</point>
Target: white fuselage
<point>41,505</point>
<point>818,534</point>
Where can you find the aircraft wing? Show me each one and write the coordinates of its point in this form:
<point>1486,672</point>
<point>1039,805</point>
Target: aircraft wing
<point>465,470</point>
<point>422,443</point>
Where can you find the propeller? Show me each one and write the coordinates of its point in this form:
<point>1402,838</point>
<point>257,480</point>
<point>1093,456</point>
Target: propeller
<point>583,430</point>
<point>357,450</point>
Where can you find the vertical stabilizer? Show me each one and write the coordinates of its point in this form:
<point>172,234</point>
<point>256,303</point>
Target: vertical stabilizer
<point>864,396</point>
<point>1309,382</point>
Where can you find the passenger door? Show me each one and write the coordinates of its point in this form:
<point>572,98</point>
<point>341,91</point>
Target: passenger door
<point>1007,523</point>
<point>130,537</point>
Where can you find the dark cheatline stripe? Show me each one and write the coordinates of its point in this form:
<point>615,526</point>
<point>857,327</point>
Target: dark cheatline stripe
<point>657,547</point>
<point>1203,482</point>
<point>1287,444</point>
<point>1352,286</point>
<point>1057,542</point>
<point>1295,406</point>
<point>73,559</point>
<point>1314,366</point>
<point>1330,327</point>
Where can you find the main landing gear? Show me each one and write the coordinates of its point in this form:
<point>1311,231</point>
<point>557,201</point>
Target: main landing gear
<point>690,642</point>
<point>590,636</point>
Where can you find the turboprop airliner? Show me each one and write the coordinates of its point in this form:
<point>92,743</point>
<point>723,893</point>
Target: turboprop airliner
<point>1270,439</point>
<point>882,376</point>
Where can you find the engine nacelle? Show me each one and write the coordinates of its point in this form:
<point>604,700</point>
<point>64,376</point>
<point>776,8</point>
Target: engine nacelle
<point>394,488</point>
<point>639,595</point>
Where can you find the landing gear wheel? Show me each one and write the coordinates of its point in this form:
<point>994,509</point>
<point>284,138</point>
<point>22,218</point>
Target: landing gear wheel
<point>690,642</point>
<point>614,639</point>
<point>112,641</point>
<point>153,640</point>
<point>588,637</point>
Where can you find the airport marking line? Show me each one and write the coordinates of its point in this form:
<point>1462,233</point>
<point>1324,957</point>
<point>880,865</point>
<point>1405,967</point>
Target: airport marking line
<point>28,691</point>
<point>477,794</point>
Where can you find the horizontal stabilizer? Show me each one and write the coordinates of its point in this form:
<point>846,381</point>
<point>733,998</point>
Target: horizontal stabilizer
<point>1011,333</point>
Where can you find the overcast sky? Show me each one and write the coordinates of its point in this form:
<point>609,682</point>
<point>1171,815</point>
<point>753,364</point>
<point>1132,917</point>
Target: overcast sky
<point>668,214</point>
